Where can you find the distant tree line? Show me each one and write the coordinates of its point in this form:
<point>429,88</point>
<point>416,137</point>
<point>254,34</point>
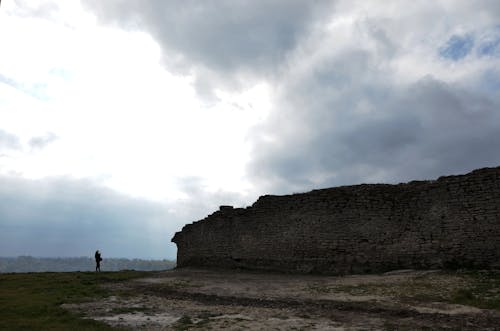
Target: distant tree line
<point>61,264</point>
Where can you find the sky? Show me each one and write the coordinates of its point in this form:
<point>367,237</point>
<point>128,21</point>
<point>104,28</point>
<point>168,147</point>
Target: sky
<point>123,120</point>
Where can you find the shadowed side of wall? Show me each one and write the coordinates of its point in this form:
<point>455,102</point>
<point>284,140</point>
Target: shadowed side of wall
<point>452,222</point>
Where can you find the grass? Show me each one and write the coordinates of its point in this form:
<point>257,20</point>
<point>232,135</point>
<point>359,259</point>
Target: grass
<point>32,301</point>
<point>472,288</point>
<point>483,290</point>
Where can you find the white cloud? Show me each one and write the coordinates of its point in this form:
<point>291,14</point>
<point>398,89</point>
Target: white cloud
<point>118,113</point>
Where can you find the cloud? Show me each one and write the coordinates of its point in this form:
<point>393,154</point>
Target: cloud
<point>40,142</point>
<point>362,92</point>
<point>61,216</point>
<point>43,9</point>
<point>67,217</point>
<point>9,141</point>
<point>362,106</point>
<point>489,42</point>
<point>221,43</point>
<point>421,131</point>
<point>198,200</point>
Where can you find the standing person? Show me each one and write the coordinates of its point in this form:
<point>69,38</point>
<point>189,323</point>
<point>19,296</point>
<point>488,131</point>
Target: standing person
<point>98,260</point>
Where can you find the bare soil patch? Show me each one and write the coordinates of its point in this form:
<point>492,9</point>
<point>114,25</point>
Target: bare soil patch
<point>196,299</point>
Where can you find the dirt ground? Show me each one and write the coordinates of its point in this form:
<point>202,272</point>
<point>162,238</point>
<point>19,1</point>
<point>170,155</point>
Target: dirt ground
<point>195,299</point>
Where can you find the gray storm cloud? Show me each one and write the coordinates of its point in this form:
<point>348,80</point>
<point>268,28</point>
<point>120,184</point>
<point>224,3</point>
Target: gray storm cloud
<point>224,43</point>
<point>221,35</point>
<point>341,114</point>
<point>349,119</point>
<point>419,131</point>
<point>66,217</point>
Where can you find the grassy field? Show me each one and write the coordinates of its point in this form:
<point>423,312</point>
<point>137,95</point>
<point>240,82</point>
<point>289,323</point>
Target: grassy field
<point>31,301</point>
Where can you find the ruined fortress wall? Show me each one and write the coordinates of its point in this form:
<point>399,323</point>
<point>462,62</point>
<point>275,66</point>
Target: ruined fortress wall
<point>450,222</point>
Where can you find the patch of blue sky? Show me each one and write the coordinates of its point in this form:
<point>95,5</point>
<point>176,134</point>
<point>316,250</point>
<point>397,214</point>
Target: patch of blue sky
<point>491,48</point>
<point>60,72</point>
<point>457,47</point>
<point>490,45</point>
<point>488,42</point>
<point>36,90</point>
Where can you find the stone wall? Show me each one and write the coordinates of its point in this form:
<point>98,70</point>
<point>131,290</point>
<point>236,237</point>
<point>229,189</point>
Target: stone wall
<point>451,222</point>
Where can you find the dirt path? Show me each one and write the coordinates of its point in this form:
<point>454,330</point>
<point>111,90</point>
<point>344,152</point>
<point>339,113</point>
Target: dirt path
<point>188,299</point>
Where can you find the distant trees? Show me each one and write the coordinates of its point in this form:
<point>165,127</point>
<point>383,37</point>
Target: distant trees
<point>61,264</point>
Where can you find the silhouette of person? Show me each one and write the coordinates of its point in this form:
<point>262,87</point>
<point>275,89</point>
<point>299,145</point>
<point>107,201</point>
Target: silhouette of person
<point>98,260</point>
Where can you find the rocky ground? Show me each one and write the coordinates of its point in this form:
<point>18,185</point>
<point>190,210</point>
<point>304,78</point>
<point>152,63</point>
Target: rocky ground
<point>195,299</point>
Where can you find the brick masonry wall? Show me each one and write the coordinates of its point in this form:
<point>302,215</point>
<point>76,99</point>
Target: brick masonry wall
<point>452,222</point>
